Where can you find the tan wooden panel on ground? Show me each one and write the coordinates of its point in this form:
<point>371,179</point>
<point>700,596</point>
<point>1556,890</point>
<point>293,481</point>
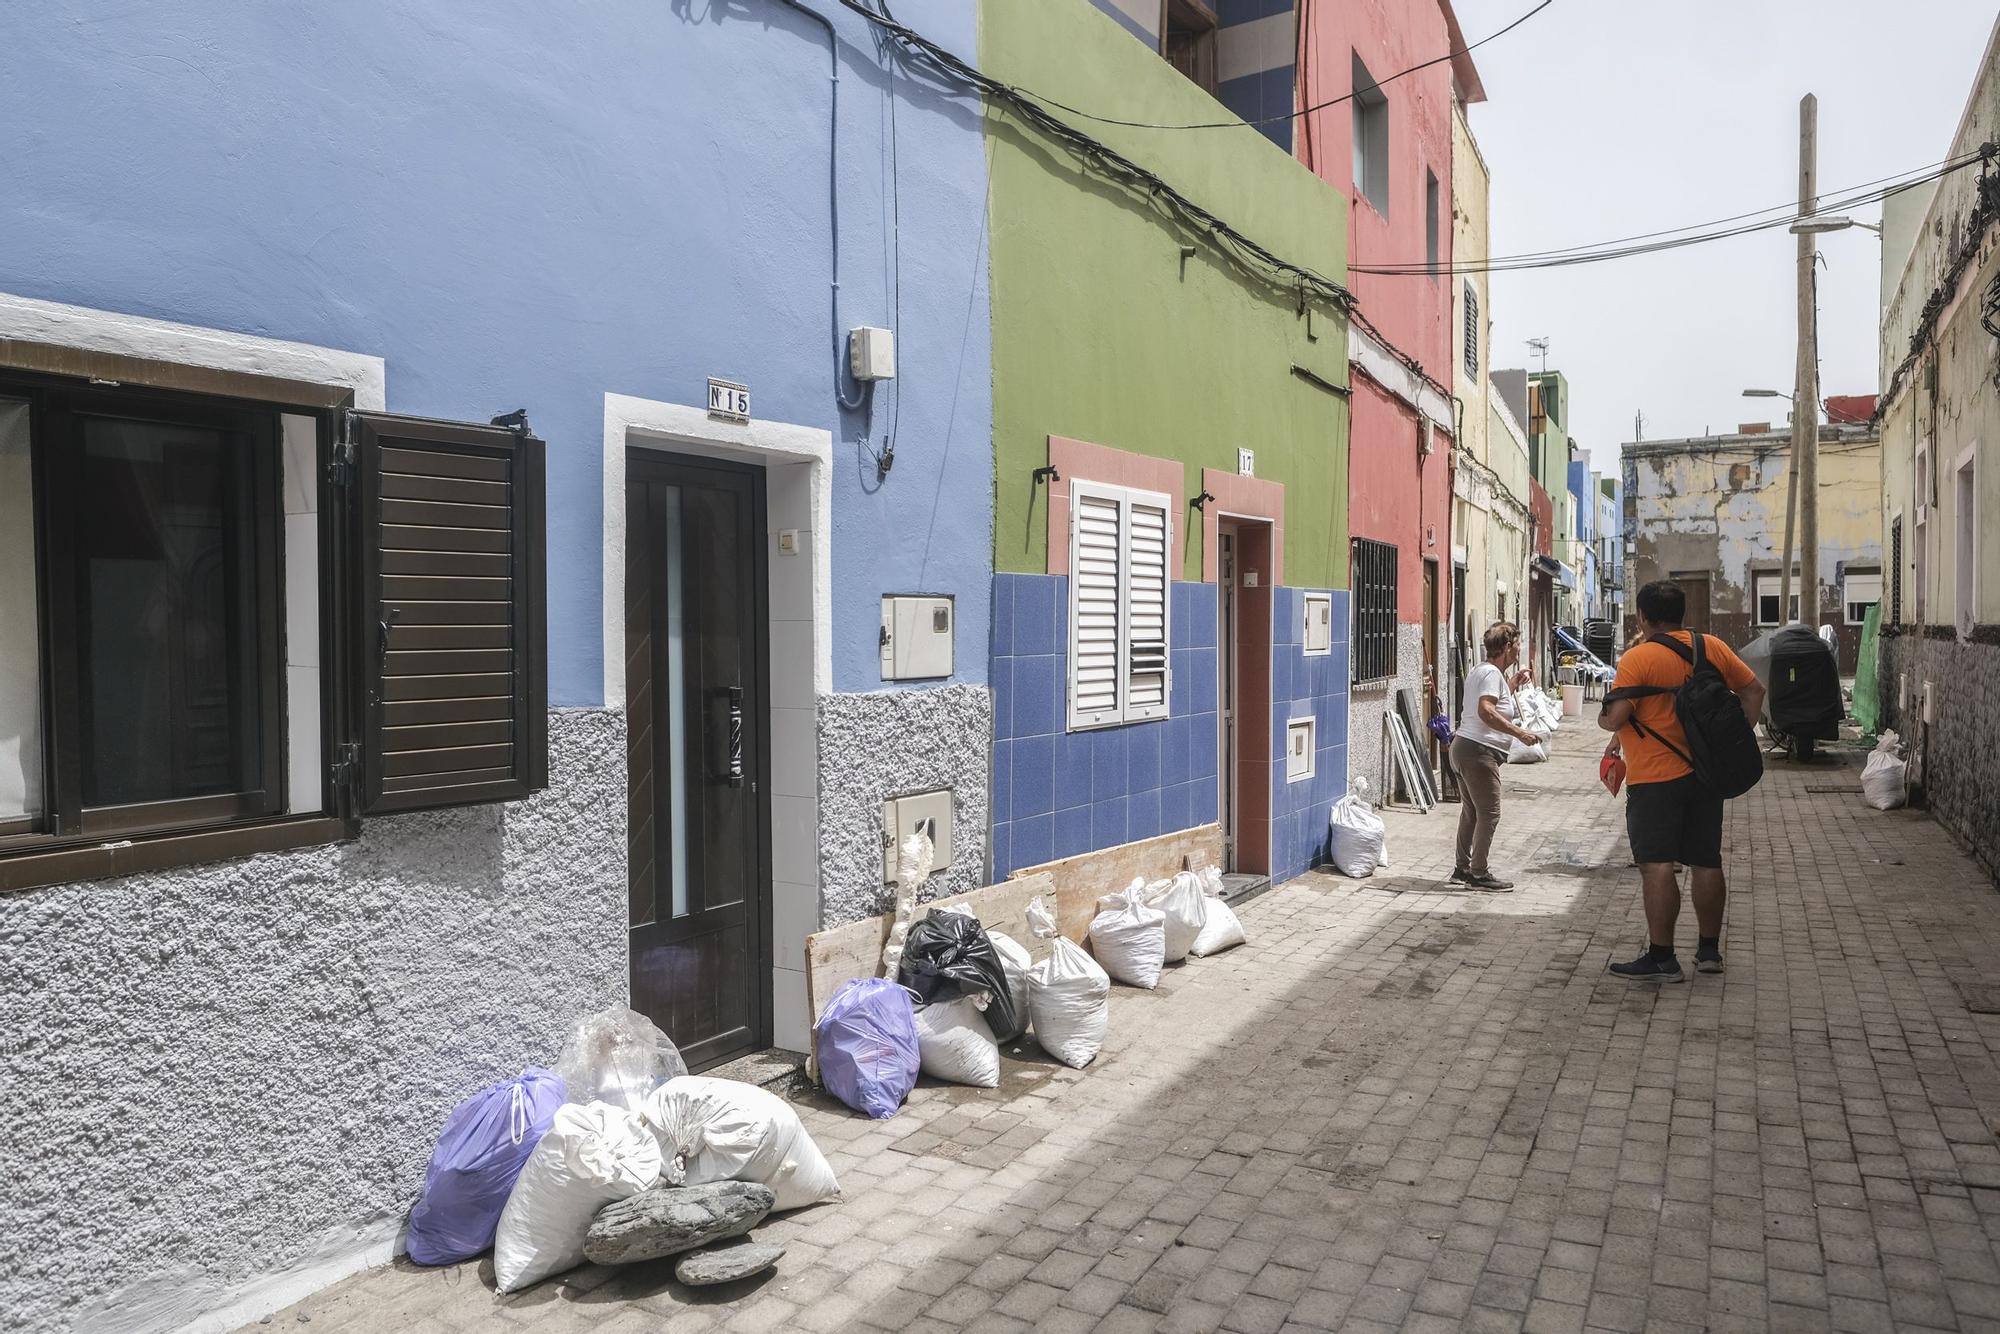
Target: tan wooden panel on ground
<point>840,954</point>
<point>1084,879</point>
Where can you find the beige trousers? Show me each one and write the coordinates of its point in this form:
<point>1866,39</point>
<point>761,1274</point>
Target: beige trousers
<point>1478,769</point>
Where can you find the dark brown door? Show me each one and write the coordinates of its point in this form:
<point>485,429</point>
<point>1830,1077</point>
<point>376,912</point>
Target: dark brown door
<point>1695,586</point>
<point>695,684</point>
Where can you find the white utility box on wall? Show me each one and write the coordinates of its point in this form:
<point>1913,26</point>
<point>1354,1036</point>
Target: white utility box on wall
<point>916,636</point>
<point>871,354</point>
<point>924,812</point>
<point>1318,639</point>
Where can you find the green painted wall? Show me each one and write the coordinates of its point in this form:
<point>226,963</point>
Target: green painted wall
<point>1101,333</point>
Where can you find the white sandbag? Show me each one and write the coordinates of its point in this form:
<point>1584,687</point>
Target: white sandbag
<point>1220,928</point>
<point>1179,897</point>
<point>725,1130</point>
<point>594,1154</point>
<point>1359,841</point>
<point>1882,778</point>
<point>1016,961</point>
<point>1520,753</point>
<point>1129,937</point>
<point>1069,996</point>
<point>954,1043</point>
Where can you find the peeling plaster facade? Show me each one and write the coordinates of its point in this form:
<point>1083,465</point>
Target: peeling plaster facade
<point>1940,484</point>
<point>1712,509</point>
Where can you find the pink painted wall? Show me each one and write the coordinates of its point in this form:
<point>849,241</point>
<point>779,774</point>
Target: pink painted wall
<point>1384,501</point>
<point>1394,494</point>
<point>1388,35</point>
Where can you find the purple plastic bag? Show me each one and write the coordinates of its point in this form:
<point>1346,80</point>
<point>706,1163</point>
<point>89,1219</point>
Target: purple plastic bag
<point>484,1144</point>
<point>868,1046</point>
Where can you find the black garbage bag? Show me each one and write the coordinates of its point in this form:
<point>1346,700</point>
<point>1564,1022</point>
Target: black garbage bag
<point>949,954</point>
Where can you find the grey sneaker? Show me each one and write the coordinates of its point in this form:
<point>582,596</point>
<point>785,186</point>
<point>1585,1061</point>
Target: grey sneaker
<point>1708,959</point>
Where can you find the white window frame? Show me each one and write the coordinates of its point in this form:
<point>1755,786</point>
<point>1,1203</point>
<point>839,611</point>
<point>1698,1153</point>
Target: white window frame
<point>1124,709</point>
<point>1307,603</point>
<point>1776,577</point>
<point>1847,598</point>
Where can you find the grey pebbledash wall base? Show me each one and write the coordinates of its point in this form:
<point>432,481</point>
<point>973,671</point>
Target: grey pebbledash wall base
<point>223,1083</point>
<point>1369,704</point>
<point>889,744</point>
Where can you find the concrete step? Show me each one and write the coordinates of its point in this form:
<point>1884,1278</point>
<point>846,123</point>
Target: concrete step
<point>782,1072</point>
<point>1242,886</point>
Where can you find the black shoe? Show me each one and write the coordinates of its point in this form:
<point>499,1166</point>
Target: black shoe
<point>1646,968</point>
<point>1489,882</point>
<point>1458,874</point>
<point>1708,959</point>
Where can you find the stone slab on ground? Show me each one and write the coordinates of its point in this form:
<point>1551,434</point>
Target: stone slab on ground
<point>667,1220</point>
<point>726,1262</point>
<point>1402,1105</point>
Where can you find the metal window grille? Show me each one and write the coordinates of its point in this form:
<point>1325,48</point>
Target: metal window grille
<point>1374,579</point>
<point>1472,331</point>
<point>1896,571</point>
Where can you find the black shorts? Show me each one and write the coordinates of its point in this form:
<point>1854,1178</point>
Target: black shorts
<point>1679,820</point>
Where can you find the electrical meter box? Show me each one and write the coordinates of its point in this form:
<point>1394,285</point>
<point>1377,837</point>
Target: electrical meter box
<point>1318,641</point>
<point>871,354</point>
<point>925,812</point>
<point>917,634</point>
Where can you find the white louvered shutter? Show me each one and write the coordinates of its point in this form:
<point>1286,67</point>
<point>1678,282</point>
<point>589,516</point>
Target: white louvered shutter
<point>1147,547</point>
<point>1096,627</point>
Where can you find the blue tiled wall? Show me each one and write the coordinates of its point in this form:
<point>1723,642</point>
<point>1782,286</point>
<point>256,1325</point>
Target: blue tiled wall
<point>1302,687</point>
<point>1058,793</point>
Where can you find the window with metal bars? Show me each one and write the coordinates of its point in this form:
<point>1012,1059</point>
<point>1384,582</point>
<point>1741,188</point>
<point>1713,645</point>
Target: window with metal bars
<point>1472,331</point>
<point>1896,571</point>
<point>1373,575</point>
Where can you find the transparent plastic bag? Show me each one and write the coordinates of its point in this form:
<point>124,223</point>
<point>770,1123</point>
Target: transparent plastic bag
<point>617,1056</point>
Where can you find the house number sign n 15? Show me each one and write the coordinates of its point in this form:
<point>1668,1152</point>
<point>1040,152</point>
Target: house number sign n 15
<point>728,402</point>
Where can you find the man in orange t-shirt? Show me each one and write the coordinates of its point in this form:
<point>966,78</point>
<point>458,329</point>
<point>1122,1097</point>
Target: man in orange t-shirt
<point>1671,817</point>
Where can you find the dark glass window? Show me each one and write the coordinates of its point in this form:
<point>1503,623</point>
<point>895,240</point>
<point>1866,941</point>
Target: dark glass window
<point>156,519</point>
<point>167,611</point>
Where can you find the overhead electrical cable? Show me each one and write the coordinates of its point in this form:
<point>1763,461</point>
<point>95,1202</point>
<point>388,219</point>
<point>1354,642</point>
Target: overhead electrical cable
<point>1672,239</point>
<point>1282,117</point>
<point>1185,212</point>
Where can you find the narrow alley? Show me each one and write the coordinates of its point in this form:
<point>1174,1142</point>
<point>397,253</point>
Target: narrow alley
<point>1401,1107</point>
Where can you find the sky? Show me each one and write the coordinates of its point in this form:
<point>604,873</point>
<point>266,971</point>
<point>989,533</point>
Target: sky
<point>1606,118</point>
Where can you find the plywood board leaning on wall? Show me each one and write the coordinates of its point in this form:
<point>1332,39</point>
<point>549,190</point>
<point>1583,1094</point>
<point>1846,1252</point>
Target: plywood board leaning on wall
<point>840,954</point>
<point>1084,879</point>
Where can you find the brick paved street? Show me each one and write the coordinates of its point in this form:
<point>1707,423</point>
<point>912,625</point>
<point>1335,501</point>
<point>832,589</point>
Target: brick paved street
<point>1400,1107</point>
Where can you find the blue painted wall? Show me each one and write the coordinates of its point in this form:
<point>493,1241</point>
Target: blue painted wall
<point>526,205</point>
<point>1058,793</point>
<point>1306,687</point>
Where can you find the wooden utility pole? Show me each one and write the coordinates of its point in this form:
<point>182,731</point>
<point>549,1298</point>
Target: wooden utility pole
<point>1803,496</point>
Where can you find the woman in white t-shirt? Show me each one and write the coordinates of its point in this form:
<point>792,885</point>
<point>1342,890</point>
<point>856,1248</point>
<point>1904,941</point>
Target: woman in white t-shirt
<point>1485,726</point>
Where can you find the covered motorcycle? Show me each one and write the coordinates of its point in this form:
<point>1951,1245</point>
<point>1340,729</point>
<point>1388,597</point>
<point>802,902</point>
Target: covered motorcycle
<point>1801,676</point>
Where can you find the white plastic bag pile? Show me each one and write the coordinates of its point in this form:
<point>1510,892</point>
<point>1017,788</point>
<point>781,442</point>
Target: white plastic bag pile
<point>687,1131</point>
<point>1537,713</point>
<point>955,1043</point>
<point>722,1130</point>
<point>593,1155</point>
<point>1359,841</point>
<point>1129,937</point>
<point>1069,996</point>
<point>1882,778</point>
<point>1220,928</point>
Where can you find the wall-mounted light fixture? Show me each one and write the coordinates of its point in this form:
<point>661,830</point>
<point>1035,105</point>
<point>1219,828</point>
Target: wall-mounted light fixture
<point>1200,502</point>
<point>1187,253</point>
<point>1047,473</point>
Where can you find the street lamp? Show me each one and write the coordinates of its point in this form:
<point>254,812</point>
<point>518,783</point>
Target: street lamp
<point>1766,393</point>
<point>1816,223</point>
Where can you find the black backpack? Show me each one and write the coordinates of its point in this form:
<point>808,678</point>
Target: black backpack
<point>1722,748</point>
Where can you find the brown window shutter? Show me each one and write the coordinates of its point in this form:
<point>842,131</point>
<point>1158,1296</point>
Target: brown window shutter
<point>451,647</point>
